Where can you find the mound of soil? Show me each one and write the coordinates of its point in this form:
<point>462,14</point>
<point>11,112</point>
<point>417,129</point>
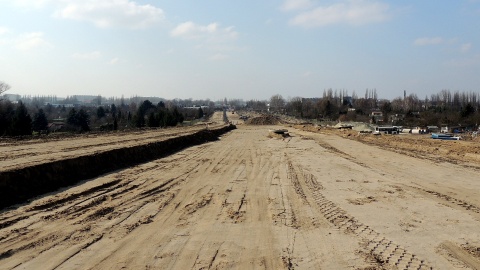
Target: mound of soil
<point>19,185</point>
<point>263,120</point>
<point>278,135</point>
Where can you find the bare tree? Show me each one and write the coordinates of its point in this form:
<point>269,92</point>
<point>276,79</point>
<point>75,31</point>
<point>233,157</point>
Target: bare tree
<point>3,87</point>
<point>235,103</point>
<point>277,103</point>
<point>294,106</point>
<point>398,105</point>
<point>257,105</point>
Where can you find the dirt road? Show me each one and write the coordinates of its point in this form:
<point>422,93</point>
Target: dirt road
<point>248,201</point>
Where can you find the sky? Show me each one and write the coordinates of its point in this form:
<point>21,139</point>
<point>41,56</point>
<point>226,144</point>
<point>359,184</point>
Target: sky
<point>248,49</point>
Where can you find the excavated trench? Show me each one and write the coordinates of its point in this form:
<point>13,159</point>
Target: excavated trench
<point>20,185</point>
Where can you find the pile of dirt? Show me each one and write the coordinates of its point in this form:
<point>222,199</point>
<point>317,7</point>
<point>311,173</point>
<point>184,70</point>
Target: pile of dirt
<point>265,119</point>
<point>278,134</point>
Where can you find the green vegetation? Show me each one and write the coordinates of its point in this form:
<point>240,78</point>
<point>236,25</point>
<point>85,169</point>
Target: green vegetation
<point>14,121</point>
<point>21,122</point>
<point>40,122</point>
<point>79,121</point>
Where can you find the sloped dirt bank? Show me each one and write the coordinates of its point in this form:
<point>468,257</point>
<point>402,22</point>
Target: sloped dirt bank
<point>17,186</point>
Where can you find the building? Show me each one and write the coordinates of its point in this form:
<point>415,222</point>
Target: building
<point>394,118</point>
<point>12,97</point>
<point>376,116</point>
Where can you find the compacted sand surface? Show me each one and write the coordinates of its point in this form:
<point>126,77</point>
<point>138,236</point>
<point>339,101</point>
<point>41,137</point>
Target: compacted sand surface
<point>248,201</point>
<point>20,154</point>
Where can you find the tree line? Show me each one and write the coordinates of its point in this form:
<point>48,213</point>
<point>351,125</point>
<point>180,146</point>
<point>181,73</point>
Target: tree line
<point>17,119</point>
<point>443,108</point>
<point>157,115</point>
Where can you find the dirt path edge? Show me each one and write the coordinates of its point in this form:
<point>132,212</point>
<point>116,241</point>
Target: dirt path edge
<point>18,186</point>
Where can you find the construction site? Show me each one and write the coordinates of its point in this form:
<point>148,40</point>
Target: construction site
<point>262,193</point>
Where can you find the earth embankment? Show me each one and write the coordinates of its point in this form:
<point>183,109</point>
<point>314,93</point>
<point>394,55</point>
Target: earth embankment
<point>21,184</point>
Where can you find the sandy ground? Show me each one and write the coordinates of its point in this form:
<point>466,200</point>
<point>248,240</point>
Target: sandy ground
<point>465,152</point>
<point>309,201</point>
<point>19,154</point>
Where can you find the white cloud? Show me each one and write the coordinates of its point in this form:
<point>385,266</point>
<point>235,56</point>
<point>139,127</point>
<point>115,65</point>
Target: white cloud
<point>354,12</point>
<point>4,30</point>
<point>87,56</point>
<point>296,4</point>
<point>103,13</point>
<point>190,30</point>
<point>428,41</point>
<point>465,47</point>
<point>111,13</point>
<point>216,40</point>
<point>29,41</point>
<point>31,3</point>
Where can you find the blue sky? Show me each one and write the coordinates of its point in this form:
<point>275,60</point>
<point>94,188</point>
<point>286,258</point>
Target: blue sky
<point>239,49</point>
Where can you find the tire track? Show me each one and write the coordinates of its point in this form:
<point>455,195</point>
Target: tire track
<point>88,206</point>
<point>385,251</point>
<point>457,203</point>
<point>337,152</point>
<point>84,246</point>
<point>115,188</point>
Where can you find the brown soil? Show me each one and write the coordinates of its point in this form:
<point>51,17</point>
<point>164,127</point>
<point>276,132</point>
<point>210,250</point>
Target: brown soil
<point>465,151</point>
<point>266,119</point>
<point>20,184</point>
<point>309,201</point>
